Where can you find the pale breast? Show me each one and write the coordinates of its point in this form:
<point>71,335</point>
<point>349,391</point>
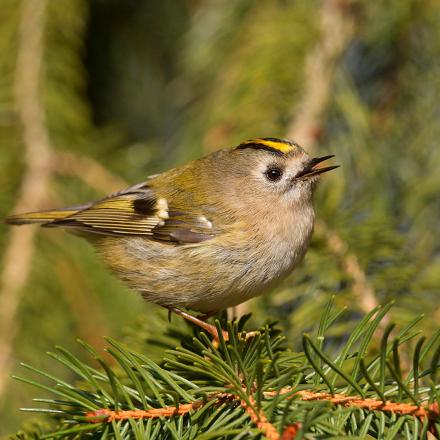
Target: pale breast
<point>215,274</point>
<point>253,263</point>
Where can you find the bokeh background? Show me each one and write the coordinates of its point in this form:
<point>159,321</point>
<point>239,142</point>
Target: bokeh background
<point>98,94</point>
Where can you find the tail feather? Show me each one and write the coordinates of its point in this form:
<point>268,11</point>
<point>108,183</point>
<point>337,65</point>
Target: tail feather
<point>41,217</point>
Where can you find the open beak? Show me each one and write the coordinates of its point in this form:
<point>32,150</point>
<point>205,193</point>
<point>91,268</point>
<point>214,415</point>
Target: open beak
<point>311,169</point>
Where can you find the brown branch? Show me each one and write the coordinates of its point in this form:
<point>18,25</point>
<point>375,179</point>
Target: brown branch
<point>257,417</point>
<point>421,412</point>
<point>19,251</point>
<point>430,412</point>
<point>260,419</point>
<point>107,415</point>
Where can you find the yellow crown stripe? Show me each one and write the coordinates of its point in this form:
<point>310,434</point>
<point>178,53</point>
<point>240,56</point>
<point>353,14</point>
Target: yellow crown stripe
<point>283,147</point>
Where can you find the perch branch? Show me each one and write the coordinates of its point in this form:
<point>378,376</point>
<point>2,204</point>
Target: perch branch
<point>258,417</point>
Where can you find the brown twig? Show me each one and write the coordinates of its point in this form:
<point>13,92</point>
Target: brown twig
<point>258,417</point>
<point>370,404</point>
<point>19,251</point>
<point>107,415</point>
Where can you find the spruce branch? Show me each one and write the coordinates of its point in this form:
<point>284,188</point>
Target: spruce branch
<point>254,386</point>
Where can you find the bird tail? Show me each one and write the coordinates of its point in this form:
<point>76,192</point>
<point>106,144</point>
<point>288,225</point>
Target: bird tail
<point>41,217</point>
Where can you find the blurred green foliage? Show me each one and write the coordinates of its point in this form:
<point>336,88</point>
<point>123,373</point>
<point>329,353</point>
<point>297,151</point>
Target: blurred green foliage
<point>142,85</point>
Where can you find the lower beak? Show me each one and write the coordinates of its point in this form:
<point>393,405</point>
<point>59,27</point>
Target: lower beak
<point>311,169</point>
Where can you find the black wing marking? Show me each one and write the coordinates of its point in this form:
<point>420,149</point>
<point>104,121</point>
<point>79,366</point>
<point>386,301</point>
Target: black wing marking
<point>136,211</point>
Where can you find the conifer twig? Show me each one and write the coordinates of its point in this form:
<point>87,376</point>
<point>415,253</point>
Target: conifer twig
<point>257,417</point>
<point>430,412</point>
<point>107,415</point>
<point>18,253</point>
<point>260,420</point>
<point>368,403</point>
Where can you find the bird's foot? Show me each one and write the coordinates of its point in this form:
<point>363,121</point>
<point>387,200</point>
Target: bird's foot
<point>210,328</point>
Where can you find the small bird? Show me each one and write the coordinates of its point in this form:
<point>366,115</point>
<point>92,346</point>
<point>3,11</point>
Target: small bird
<point>208,235</point>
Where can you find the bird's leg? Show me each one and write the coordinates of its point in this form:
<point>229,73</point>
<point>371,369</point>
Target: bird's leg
<point>211,329</point>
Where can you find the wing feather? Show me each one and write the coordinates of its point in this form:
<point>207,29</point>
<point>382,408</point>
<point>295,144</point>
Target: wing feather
<point>137,211</point>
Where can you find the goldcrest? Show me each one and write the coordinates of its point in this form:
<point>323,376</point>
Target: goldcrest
<point>210,234</point>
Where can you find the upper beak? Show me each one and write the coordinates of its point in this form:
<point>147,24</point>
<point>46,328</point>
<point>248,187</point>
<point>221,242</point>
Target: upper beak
<point>311,168</point>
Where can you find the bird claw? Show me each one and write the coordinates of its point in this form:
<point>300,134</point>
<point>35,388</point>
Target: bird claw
<point>210,328</point>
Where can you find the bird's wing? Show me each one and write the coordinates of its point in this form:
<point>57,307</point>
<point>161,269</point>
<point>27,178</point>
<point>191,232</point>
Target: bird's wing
<point>136,211</point>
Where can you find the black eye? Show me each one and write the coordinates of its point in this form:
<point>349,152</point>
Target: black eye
<point>274,174</point>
